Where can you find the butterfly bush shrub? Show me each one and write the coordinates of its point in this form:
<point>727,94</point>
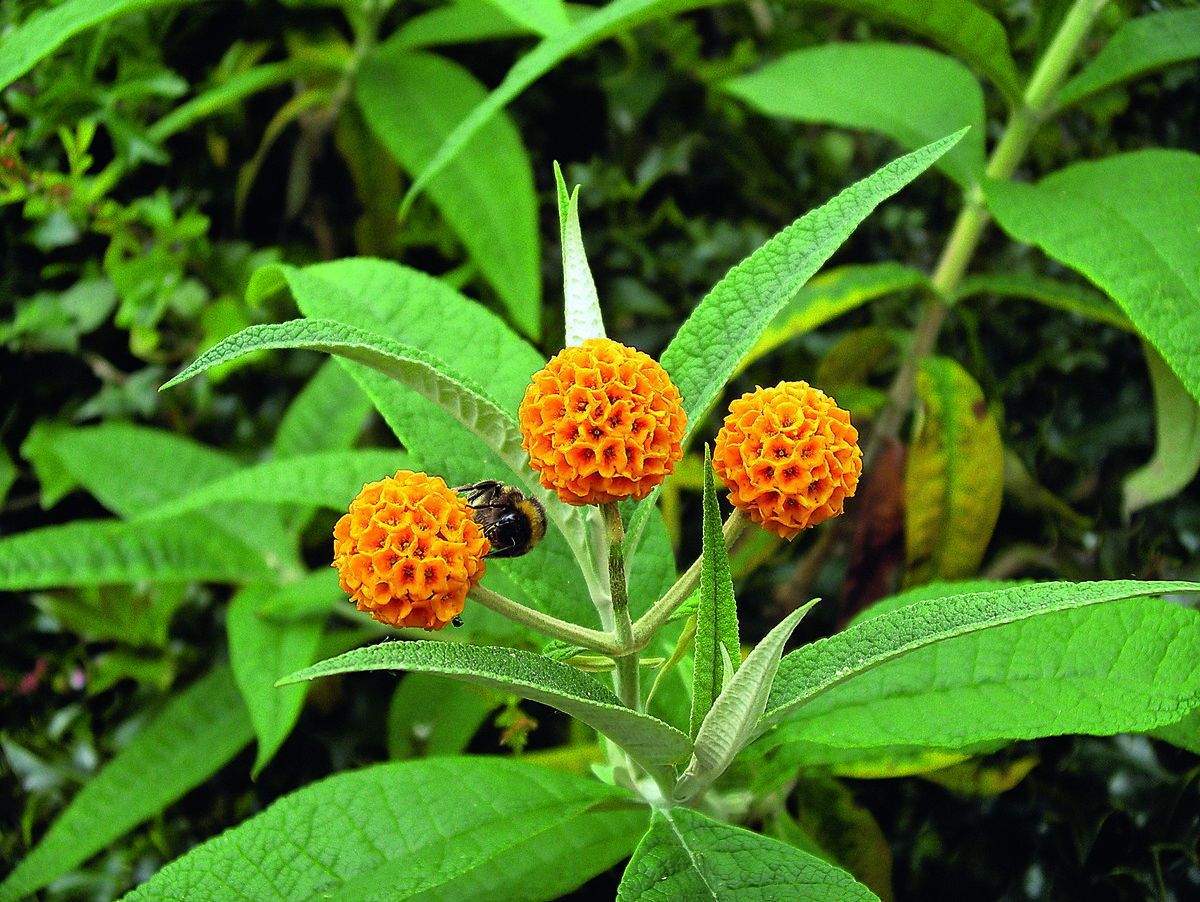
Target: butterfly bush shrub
<point>694,745</point>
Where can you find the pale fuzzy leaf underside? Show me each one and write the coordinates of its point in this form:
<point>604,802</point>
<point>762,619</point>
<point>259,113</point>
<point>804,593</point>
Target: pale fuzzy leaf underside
<point>731,722</point>
<point>529,675</point>
<point>581,307</point>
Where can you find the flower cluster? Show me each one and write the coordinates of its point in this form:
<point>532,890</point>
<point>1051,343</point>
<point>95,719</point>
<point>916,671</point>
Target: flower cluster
<point>602,422</point>
<point>788,456</point>
<point>409,550</point>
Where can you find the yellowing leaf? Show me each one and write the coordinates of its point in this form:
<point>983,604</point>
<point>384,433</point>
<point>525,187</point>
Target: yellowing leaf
<point>955,476</point>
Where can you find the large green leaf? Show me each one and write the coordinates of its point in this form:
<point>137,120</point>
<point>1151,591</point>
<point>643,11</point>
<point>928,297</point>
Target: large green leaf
<point>89,552</point>
<point>954,479</point>
<point>726,324</point>
<point>327,415</point>
<point>191,739</point>
<point>412,100</point>
<point>261,650</point>
<point>329,480</point>
<point>446,828</point>
<point>909,93</point>
<point>1138,46</point>
<point>418,310</point>
<point>49,29</point>
<point>131,469</point>
<point>1013,663</point>
<point>529,675</point>
<point>1096,218</point>
<point>958,25</point>
<point>688,856</point>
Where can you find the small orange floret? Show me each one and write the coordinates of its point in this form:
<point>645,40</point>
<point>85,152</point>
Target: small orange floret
<point>409,550</point>
<point>788,456</point>
<point>602,422</point>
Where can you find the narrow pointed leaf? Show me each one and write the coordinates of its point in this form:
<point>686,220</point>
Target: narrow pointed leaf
<point>330,479</point>
<point>727,323</point>
<point>445,828</point>
<point>1139,46</point>
<point>731,721</point>
<point>1094,218</point>
<point>582,303</point>
<point>191,739</point>
<point>261,650</point>
<point>1081,299</point>
<point>88,552</point>
<point>1014,663</point>
<point>830,294</point>
<point>1176,445</point>
<point>526,674</point>
<point>687,855</point>
<point>954,481</point>
<point>716,615</point>
<point>411,101</point>
<point>908,93</point>
<point>432,378</point>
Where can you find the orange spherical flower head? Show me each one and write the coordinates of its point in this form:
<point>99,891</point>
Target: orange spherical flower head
<point>602,422</point>
<point>409,550</point>
<point>788,456</point>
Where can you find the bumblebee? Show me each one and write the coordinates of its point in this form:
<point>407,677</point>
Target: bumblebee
<point>512,522</point>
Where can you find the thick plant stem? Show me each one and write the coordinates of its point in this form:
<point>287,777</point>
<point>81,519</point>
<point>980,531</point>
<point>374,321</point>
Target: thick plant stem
<point>1036,104</point>
<point>626,677</point>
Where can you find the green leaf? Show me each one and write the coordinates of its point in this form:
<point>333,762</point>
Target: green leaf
<point>731,722</point>
<point>1080,299</point>
<point>327,415</point>
<point>88,552</point>
<point>689,856</point>
<point>411,100</point>
<point>8,474</point>
<point>1139,46</point>
<point>958,25</point>
<point>542,16</point>
<point>523,673</point>
<point>718,647</point>
<point>432,715</point>
<point>192,738</point>
<point>582,303</point>
<point>1094,218</point>
<point>49,29</point>
<point>463,22</point>
<point>425,313</point>
<point>1014,663</point>
<point>331,480</point>
<point>1176,445</point>
<point>908,93</point>
<point>729,320</point>
<point>954,480</point>
<point>444,828</point>
<point>262,650</point>
<point>432,378</point>
<point>131,469</point>
<point>830,294</point>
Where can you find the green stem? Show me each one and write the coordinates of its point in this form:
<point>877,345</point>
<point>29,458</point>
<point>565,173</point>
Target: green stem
<point>652,621</point>
<point>627,675</point>
<point>570,633</point>
<point>1036,104</point>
